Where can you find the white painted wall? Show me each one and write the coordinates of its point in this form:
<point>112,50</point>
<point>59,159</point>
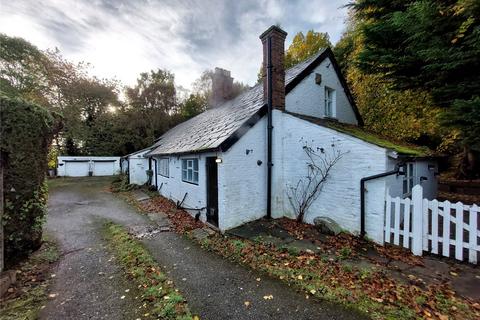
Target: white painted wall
<point>340,197</point>
<point>308,98</point>
<point>137,168</point>
<point>80,163</point>
<point>242,182</point>
<point>174,188</point>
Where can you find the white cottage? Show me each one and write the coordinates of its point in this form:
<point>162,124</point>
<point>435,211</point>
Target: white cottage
<point>235,162</point>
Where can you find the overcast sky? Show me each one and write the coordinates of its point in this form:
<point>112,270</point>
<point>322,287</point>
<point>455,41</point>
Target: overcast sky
<point>122,38</point>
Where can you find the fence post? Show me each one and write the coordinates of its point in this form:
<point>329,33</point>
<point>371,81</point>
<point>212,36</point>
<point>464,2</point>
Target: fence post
<point>417,220</point>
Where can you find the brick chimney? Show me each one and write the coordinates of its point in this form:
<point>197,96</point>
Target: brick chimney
<point>222,84</point>
<point>278,67</point>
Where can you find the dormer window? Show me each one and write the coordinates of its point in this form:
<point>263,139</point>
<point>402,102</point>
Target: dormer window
<point>329,102</point>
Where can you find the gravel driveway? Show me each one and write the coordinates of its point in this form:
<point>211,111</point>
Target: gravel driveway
<point>88,284</point>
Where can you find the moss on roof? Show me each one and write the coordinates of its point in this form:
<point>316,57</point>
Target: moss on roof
<point>400,147</point>
<point>370,137</point>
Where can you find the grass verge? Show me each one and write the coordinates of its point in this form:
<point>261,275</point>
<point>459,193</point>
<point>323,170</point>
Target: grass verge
<point>26,298</point>
<point>158,292</point>
<point>369,291</point>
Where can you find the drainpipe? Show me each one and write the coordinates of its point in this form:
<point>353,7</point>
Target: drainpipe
<point>269,128</point>
<point>154,172</point>
<point>362,194</point>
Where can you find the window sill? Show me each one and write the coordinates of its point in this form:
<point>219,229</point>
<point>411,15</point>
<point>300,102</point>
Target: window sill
<point>195,184</point>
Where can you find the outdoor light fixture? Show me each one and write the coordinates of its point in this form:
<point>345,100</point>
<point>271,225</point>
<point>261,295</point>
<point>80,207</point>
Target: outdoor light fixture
<point>218,160</point>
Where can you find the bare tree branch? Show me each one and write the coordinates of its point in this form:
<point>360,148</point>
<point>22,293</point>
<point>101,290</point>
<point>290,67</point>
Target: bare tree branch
<point>306,190</point>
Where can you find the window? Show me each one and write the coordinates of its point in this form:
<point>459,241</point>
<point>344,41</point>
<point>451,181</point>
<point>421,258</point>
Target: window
<point>163,165</point>
<point>190,170</point>
<point>329,102</point>
<point>408,179</point>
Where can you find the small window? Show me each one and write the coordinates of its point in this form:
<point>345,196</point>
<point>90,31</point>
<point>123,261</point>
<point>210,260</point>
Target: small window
<point>329,102</point>
<point>408,179</point>
<point>190,170</point>
<point>163,165</point>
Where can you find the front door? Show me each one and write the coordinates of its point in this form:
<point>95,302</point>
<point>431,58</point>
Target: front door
<point>212,191</point>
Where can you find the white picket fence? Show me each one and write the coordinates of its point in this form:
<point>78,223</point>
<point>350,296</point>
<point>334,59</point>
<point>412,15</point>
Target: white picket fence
<point>426,225</point>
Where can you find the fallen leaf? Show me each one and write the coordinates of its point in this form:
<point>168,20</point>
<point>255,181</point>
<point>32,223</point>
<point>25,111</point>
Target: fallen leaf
<point>269,297</point>
<point>454,274</point>
<point>258,279</point>
<point>122,297</point>
<point>52,295</point>
<point>313,291</point>
<point>246,303</point>
<point>300,277</point>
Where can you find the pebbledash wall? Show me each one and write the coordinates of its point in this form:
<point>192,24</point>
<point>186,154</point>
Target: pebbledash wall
<point>340,196</point>
<point>241,180</point>
<point>308,97</point>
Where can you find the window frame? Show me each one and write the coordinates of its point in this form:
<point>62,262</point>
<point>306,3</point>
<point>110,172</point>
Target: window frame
<point>159,167</point>
<point>408,181</point>
<point>329,100</point>
<point>190,170</point>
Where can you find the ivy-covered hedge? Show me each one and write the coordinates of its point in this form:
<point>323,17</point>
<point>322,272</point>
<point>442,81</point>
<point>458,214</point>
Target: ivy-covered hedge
<point>26,133</point>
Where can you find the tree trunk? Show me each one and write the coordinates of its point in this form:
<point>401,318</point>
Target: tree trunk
<point>469,167</point>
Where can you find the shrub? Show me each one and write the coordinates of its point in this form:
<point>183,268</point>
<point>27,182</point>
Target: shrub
<point>26,130</point>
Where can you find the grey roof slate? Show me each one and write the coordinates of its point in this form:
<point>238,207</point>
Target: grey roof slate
<point>208,130</point>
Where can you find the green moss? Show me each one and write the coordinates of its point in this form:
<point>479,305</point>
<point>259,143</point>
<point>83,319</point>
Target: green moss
<point>34,296</point>
<point>360,133</point>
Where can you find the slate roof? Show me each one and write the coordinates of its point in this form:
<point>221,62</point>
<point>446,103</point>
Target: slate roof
<point>218,128</point>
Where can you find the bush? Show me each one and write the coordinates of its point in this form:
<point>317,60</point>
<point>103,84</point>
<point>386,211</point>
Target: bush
<point>27,131</point>
<point>120,184</point>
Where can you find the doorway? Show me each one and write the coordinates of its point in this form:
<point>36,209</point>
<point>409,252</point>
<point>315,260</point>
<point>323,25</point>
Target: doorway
<point>212,191</point>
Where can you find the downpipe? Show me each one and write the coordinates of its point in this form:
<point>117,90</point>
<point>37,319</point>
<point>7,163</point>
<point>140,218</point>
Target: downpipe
<point>269,128</point>
<point>362,193</point>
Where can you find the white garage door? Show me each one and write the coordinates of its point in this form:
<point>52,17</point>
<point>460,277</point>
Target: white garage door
<point>76,168</point>
<point>103,168</point>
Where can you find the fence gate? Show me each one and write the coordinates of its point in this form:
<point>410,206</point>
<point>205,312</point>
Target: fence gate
<point>449,229</point>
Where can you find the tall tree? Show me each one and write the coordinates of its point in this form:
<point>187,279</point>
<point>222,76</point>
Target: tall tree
<point>430,45</point>
<point>305,46</point>
<point>152,101</point>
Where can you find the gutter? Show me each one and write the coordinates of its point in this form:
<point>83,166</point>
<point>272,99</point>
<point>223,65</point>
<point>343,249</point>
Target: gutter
<point>269,128</point>
<point>362,194</point>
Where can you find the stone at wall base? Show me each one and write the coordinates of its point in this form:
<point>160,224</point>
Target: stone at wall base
<point>327,226</point>
<point>7,278</point>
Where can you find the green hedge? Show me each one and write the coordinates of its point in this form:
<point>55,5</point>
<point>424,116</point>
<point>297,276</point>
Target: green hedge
<point>26,133</point>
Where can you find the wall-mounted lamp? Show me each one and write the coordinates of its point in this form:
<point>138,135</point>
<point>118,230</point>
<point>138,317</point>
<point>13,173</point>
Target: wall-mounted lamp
<point>248,151</point>
<point>318,78</point>
<point>218,160</point>
<point>422,178</point>
<point>259,162</point>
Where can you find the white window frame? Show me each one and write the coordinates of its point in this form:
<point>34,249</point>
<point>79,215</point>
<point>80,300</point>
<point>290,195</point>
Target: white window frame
<point>408,181</point>
<point>163,165</point>
<point>190,170</point>
<point>330,108</point>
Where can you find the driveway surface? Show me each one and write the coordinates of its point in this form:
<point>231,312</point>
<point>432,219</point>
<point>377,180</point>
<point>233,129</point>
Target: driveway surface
<point>89,285</point>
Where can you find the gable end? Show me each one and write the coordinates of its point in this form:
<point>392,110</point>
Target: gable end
<point>327,53</point>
